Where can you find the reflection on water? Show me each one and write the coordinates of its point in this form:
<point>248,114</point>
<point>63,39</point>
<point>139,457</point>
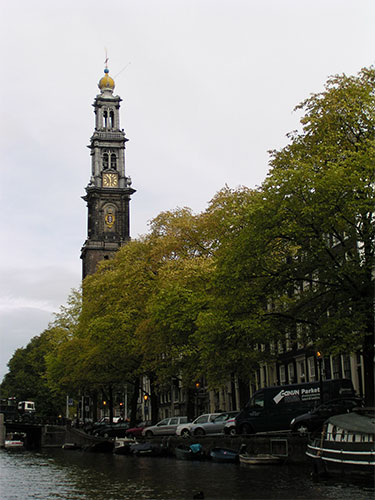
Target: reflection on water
<point>64,474</point>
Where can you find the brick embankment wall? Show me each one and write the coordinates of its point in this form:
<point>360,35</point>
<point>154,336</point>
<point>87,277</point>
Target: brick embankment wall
<point>290,446</point>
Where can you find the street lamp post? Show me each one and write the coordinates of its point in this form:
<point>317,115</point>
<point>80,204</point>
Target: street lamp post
<point>320,359</point>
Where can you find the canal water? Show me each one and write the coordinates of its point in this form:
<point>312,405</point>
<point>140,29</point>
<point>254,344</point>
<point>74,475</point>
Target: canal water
<point>67,474</point>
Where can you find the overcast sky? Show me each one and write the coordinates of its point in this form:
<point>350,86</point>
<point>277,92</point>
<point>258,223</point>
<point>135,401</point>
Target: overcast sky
<point>208,87</point>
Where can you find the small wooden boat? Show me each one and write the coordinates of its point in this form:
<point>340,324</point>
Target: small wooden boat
<point>71,446</point>
<point>186,452</point>
<point>122,446</point>
<point>346,446</point>
<point>224,455</point>
<point>261,459</point>
<point>145,449</point>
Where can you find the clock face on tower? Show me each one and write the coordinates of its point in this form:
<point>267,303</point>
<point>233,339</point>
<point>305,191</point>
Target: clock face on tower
<point>110,180</point>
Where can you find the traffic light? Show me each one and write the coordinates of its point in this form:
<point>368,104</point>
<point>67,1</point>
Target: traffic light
<point>197,385</point>
<point>104,403</point>
<point>145,397</point>
<point>319,355</point>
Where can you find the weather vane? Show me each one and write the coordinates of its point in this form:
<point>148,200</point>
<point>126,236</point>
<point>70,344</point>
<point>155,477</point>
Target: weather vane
<point>106,64</point>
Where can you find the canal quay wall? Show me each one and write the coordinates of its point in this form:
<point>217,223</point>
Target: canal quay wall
<point>290,446</point>
<point>55,436</point>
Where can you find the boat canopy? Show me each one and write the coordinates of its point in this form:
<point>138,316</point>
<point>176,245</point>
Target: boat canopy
<point>354,422</point>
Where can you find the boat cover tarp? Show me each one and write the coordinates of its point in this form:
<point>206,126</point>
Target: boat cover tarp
<point>196,448</point>
<point>354,422</point>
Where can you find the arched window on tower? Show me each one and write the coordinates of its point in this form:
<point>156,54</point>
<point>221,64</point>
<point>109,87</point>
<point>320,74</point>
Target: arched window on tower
<point>111,119</point>
<point>105,118</point>
<point>105,161</point>
<point>113,161</point>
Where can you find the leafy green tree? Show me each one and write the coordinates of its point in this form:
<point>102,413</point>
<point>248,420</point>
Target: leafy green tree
<point>26,379</point>
<point>308,248</point>
<point>61,366</point>
<point>114,309</point>
<point>229,328</point>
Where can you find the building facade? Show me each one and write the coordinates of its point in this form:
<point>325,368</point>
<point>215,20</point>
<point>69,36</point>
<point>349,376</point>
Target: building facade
<point>109,189</point>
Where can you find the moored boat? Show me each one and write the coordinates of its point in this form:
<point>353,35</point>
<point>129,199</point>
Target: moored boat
<point>224,455</point>
<point>345,446</point>
<point>259,459</point>
<point>71,446</point>
<point>146,449</point>
<point>14,444</point>
<point>186,452</point>
<point>15,441</point>
<point>122,446</point>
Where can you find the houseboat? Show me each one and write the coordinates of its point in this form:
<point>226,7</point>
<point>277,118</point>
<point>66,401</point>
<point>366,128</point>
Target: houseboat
<point>345,446</point>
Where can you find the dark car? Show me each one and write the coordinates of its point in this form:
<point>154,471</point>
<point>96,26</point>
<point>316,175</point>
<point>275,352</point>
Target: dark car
<point>136,431</point>
<point>314,419</point>
<point>112,430</point>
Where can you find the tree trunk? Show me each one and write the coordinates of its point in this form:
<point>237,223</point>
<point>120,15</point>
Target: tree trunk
<point>110,393</point>
<point>190,403</point>
<point>95,406</point>
<point>154,401</point>
<point>134,402</point>
<point>368,365</point>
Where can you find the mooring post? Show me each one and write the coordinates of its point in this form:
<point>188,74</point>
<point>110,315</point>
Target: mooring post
<point>2,431</point>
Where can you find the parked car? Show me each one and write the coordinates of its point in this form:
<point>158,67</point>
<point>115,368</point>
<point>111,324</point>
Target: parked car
<point>212,426</point>
<point>314,419</point>
<point>136,431</point>
<point>112,430</point>
<point>230,427</point>
<point>184,430</point>
<point>95,427</point>
<point>165,427</point>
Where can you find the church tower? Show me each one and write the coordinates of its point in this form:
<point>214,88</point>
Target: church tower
<point>109,190</point>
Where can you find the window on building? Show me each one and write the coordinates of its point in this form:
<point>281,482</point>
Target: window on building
<point>105,161</point>
<point>346,366</point>
<point>113,161</point>
<point>336,367</point>
<point>282,374</point>
<point>288,342</point>
<point>311,367</point>
<point>291,373</point>
<point>301,371</point>
<point>176,394</point>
